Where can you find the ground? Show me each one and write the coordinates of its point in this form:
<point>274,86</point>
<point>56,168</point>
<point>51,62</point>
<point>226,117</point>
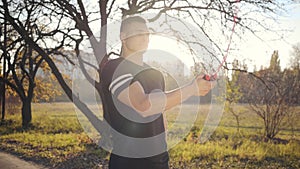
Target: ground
<point>8,161</point>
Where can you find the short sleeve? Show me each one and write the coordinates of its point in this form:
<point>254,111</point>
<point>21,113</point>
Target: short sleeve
<point>121,74</point>
<point>150,79</point>
<point>119,83</point>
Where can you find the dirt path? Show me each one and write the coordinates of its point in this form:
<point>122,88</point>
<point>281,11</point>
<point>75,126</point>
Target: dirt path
<point>8,161</point>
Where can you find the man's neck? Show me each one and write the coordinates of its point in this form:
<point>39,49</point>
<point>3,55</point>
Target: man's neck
<point>135,57</point>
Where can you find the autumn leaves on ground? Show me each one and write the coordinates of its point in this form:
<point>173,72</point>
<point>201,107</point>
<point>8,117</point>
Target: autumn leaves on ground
<point>57,140</point>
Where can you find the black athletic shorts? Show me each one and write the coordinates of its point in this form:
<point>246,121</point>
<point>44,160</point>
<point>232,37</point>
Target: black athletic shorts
<point>156,162</point>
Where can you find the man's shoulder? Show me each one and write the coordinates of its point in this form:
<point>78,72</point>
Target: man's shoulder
<point>117,67</point>
<point>112,63</point>
<point>110,66</point>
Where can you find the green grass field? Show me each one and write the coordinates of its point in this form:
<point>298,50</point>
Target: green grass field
<point>57,140</point>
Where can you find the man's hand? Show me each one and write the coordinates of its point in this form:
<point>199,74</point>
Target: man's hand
<point>202,87</point>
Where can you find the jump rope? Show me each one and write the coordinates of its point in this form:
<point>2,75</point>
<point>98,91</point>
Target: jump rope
<point>214,75</point>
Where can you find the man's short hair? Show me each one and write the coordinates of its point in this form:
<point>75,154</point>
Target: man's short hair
<point>127,21</point>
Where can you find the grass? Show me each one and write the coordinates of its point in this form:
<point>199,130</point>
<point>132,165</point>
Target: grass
<point>57,140</point>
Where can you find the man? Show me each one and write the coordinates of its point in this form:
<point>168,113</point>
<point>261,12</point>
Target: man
<point>135,101</point>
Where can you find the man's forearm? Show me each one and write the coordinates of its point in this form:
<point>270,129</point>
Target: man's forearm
<point>160,101</point>
<point>157,101</point>
<point>178,96</point>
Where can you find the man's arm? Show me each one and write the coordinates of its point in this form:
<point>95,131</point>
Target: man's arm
<point>159,101</point>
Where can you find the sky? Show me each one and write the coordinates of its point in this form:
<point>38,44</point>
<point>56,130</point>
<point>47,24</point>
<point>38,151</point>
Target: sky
<point>252,49</point>
<point>259,52</point>
<point>255,51</point>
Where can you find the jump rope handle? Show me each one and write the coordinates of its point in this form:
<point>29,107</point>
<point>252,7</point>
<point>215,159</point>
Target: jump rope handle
<point>212,77</point>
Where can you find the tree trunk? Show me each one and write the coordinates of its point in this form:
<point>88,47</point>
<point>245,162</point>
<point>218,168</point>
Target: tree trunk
<point>2,89</point>
<point>2,86</point>
<point>26,113</point>
<point>238,124</point>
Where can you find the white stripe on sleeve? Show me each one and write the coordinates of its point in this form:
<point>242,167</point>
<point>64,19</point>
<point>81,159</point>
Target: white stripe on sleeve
<point>114,88</point>
<point>118,79</point>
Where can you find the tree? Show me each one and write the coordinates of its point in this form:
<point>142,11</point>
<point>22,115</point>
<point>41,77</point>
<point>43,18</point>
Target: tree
<point>3,33</point>
<point>72,23</point>
<point>275,62</point>
<point>233,93</point>
<point>47,87</point>
<point>2,93</point>
<point>295,68</point>
<point>22,60</point>
<point>78,12</point>
<point>15,12</point>
<point>295,59</point>
<point>23,67</point>
<point>294,71</point>
<point>272,100</point>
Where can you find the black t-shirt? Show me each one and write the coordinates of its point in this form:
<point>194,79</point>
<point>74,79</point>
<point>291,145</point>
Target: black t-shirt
<point>116,76</point>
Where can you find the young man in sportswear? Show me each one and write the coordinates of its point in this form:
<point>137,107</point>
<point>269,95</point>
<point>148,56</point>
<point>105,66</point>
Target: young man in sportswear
<point>136,100</point>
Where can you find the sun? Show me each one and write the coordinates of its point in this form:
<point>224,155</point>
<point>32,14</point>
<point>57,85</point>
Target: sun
<point>168,45</point>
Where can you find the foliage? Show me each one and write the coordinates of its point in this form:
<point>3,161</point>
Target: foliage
<point>67,23</point>
<point>271,95</point>
<point>295,56</point>
<point>42,22</point>
<point>294,71</point>
<point>57,141</point>
<point>233,93</point>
